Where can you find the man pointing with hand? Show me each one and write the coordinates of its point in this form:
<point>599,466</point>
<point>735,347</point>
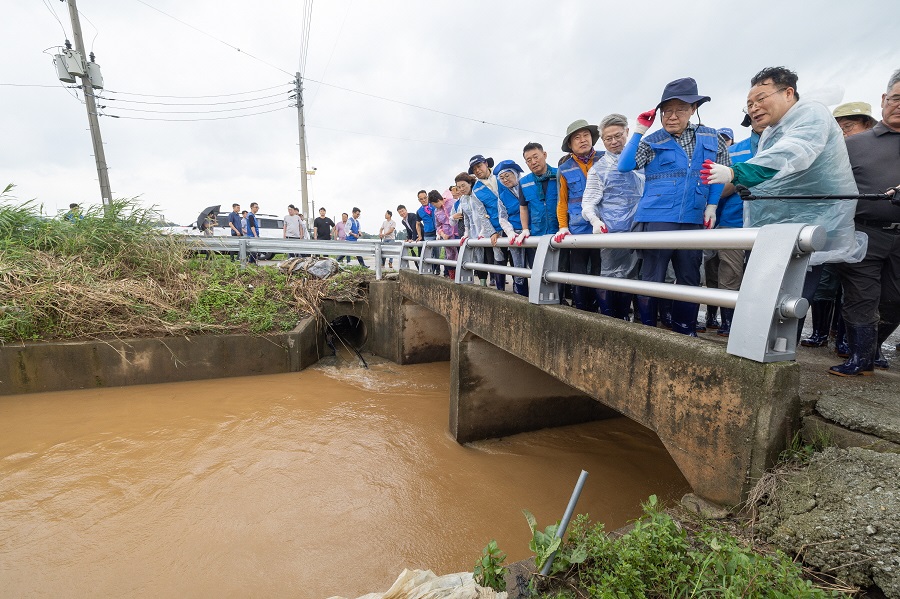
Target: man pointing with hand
<point>674,197</point>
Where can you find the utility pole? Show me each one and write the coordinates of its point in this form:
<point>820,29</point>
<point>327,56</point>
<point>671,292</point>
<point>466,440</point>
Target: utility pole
<point>303,175</point>
<point>90,102</point>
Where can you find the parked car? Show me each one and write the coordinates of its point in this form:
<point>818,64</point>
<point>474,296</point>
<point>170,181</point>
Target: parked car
<point>270,226</point>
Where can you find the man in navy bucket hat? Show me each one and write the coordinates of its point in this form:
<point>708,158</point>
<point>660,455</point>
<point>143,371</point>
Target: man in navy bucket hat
<point>674,197</point>
<point>487,191</point>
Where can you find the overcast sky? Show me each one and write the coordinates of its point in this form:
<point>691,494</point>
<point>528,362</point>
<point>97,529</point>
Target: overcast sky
<point>536,68</point>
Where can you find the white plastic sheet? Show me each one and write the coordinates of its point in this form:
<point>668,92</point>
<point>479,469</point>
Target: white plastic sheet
<point>807,149</point>
<point>424,584</point>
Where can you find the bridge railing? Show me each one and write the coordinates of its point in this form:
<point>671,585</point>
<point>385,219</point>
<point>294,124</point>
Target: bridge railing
<point>245,246</point>
<point>766,309</point>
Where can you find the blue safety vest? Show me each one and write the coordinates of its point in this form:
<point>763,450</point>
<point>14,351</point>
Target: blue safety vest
<point>489,199</point>
<point>541,210</point>
<point>673,192</point>
<point>730,212</point>
<point>353,228</point>
<point>426,215</point>
<point>575,183</point>
<point>511,202</point>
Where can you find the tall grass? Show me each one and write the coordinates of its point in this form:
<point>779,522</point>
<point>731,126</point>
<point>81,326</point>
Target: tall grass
<point>113,274</point>
<point>87,277</point>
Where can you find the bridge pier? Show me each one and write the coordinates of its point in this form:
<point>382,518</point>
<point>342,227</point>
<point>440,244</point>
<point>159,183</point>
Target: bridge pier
<point>724,419</point>
<point>494,394</point>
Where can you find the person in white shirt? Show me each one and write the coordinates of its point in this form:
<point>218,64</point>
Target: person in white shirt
<point>293,226</point>
<point>388,233</point>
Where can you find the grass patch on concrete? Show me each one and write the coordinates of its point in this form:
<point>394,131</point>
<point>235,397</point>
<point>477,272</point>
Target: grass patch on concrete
<point>114,274</point>
<point>667,557</point>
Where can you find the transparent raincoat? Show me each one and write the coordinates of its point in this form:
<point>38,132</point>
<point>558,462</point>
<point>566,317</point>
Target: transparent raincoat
<point>610,195</point>
<point>807,149</point>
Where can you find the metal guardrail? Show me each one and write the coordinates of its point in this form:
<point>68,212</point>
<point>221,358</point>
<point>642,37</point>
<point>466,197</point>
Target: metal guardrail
<point>766,309</point>
<point>244,246</point>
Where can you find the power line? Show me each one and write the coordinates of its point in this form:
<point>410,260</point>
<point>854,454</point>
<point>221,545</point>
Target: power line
<point>27,85</point>
<point>218,118</point>
<point>424,141</point>
<point>221,41</point>
<point>458,116</point>
<point>46,3</point>
<point>96,30</point>
<point>337,38</point>
<point>305,26</point>
<point>194,103</point>
<point>199,97</point>
<point>199,111</point>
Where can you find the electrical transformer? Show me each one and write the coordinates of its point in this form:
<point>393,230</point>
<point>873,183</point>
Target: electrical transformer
<point>61,72</point>
<point>93,71</point>
<point>74,62</point>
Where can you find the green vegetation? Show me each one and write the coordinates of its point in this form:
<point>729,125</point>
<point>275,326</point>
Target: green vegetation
<point>658,558</point>
<point>489,570</point>
<point>114,274</point>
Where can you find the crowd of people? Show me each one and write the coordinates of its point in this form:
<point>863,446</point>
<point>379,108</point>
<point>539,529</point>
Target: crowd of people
<point>689,176</point>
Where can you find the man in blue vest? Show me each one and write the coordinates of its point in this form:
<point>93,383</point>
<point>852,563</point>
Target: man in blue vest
<point>674,197</point>
<point>487,190</point>
<point>539,193</point>
<point>426,227</point>
<point>353,230</point>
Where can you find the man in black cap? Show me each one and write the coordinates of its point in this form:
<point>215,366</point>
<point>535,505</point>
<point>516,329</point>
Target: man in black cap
<point>674,198</point>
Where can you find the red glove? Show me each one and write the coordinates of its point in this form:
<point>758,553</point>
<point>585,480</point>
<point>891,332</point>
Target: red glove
<point>463,240</point>
<point>561,234</point>
<point>645,119</point>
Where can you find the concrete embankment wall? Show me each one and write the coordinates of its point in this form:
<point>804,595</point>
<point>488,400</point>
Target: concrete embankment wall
<point>60,366</point>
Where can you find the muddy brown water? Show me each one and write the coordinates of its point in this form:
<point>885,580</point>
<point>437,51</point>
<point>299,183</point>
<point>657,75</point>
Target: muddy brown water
<point>329,481</point>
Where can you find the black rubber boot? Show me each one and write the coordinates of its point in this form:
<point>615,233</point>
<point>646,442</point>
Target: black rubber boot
<point>664,306</point>
<point>622,305</point>
<point>862,351</point>
<point>646,309</point>
<point>725,327</point>
<point>885,330</point>
<point>583,298</point>
<point>821,321</point>
<point>684,318</point>
<point>711,321</point>
<point>605,299</point>
<point>840,340</point>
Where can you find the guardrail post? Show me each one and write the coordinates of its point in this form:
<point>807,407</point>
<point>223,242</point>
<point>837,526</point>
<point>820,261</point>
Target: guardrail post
<point>546,259</point>
<point>466,254</point>
<point>422,264</point>
<point>378,262</point>
<point>764,326</point>
<point>242,251</point>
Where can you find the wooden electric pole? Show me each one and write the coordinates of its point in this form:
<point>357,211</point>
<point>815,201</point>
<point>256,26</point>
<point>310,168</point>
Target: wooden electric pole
<point>90,102</point>
<point>303,175</point>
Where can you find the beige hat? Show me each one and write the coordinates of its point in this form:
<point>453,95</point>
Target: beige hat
<point>578,126</point>
<point>853,109</point>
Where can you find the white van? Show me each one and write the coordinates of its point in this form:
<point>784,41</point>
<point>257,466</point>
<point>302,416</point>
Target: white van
<point>270,227</point>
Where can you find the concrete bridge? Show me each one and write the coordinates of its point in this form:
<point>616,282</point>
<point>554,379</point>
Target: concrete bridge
<point>517,366</point>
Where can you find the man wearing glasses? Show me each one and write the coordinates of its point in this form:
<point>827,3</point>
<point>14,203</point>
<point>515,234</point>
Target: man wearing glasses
<point>610,201</point>
<point>872,287</point>
<point>801,152</point>
<point>673,198</point>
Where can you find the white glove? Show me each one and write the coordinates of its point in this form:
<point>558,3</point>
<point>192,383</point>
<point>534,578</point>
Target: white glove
<point>709,216</point>
<point>714,173</point>
<point>599,226</point>
<point>561,234</point>
<point>521,237</point>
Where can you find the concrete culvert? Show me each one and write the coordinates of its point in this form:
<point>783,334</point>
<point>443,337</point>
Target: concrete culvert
<point>350,329</point>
